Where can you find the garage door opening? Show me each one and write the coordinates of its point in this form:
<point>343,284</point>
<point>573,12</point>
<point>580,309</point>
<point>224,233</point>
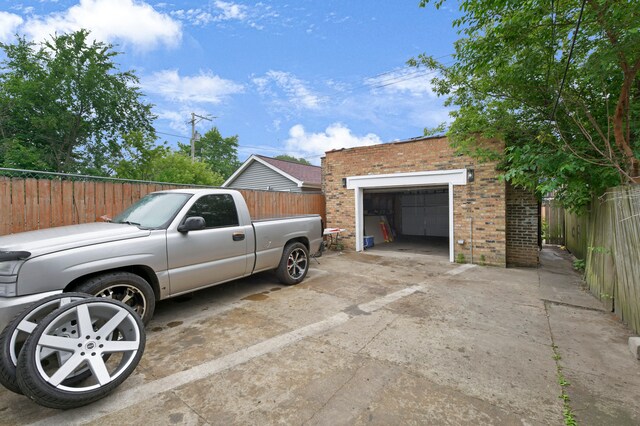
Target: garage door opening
<point>402,182</point>
<point>414,220</point>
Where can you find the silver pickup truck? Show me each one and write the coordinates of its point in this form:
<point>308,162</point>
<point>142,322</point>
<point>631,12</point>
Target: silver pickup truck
<point>167,244</point>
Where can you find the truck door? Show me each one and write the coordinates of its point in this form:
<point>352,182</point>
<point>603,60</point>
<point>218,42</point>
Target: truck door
<point>208,256</point>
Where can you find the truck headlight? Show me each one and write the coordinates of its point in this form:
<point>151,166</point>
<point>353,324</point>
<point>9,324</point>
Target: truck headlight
<point>7,289</point>
<point>10,267</point>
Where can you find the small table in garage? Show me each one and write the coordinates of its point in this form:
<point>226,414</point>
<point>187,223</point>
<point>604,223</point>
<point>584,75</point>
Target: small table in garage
<point>332,237</point>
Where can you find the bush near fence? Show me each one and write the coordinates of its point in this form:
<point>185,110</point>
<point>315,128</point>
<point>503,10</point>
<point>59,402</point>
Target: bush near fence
<point>608,238</point>
<point>31,200</point>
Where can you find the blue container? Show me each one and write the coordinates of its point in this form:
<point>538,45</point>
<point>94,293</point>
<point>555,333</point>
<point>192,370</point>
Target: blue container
<point>368,241</point>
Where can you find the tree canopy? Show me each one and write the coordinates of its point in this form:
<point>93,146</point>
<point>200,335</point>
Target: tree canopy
<point>144,160</point>
<point>220,153</point>
<point>287,157</point>
<point>65,106</point>
<point>557,81</point>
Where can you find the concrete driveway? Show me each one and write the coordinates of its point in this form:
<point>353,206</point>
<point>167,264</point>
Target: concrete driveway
<point>380,338</point>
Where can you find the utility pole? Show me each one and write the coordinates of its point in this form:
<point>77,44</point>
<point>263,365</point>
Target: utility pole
<point>195,118</point>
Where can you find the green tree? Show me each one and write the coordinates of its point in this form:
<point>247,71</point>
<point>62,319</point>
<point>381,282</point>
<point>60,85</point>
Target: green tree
<point>175,167</point>
<point>144,160</point>
<point>139,156</point>
<point>565,102</point>
<point>65,106</point>
<point>221,154</point>
<point>286,157</point>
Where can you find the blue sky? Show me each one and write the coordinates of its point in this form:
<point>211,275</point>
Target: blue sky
<point>288,77</point>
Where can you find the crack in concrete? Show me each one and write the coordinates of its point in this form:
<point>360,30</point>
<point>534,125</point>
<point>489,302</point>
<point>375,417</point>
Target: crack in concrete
<point>556,359</point>
<point>205,422</point>
<point>333,396</point>
<point>570,305</point>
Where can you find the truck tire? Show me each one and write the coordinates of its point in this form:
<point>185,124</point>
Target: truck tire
<point>128,288</point>
<point>294,264</point>
<point>98,319</point>
<point>15,334</point>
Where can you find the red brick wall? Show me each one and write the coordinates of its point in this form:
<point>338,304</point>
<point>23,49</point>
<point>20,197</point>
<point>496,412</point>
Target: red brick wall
<point>480,205</point>
<point>522,227</point>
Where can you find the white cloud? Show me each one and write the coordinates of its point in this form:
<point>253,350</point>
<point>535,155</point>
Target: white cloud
<point>9,24</point>
<point>178,121</point>
<point>230,11</point>
<point>226,12</point>
<point>295,91</point>
<point>124,21</point>
<point>415,82</point>
<point>203,88</point>
<point>336,136</point>
<point>197,17</point>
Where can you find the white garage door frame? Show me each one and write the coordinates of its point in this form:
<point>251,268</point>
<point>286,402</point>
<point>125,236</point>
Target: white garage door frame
<point>404,180</point>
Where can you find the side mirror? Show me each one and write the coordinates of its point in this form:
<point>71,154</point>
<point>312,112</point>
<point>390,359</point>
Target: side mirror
<point>193,223</point>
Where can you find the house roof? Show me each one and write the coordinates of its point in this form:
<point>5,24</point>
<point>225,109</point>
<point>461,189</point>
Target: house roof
<point>302,172</point>
<point>303,175</point>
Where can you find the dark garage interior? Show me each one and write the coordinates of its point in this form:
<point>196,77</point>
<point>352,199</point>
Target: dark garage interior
<point>408,219</point>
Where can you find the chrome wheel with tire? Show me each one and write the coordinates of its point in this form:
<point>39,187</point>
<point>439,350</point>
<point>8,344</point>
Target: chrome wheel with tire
<point>294,263</point>
<point>15,334</point>
<point>109,361</point>
<point>128,288</point>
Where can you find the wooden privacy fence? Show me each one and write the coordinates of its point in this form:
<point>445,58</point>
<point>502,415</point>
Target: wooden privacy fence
<point>553,222</point>
<point>36,203</point>
<point>611,247</point>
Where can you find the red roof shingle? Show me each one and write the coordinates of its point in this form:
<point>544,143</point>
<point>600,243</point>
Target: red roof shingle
<point>302,172</point>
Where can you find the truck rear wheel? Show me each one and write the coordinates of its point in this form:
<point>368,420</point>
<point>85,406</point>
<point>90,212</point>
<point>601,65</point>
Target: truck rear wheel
<point>294,264</point>
<point>128,288</point>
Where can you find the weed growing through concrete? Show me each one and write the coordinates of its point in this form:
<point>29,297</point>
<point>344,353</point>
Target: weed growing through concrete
<point>460,258</point>
<point>483,260</point>
<point>567,413</point>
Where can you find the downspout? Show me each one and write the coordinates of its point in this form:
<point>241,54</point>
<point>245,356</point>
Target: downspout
<point>471,237</point>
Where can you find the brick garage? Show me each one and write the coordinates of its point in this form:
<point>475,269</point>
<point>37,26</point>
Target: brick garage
<point>487,220</point>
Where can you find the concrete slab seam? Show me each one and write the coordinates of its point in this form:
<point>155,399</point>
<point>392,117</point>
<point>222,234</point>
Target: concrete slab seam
<point>570,305</point>
<point>143,392</point>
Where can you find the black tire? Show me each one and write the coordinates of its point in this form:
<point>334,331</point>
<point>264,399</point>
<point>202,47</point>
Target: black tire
<point>15,334</point>
<point>294,264</point>
<point>98,319</point>
<point>128,288</point>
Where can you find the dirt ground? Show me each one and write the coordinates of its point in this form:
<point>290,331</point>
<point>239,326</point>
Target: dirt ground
<point>376,338</point>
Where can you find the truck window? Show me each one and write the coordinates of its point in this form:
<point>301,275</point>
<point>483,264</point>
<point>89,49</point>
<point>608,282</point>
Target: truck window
<point>217,210</point>
<point>153,210</point>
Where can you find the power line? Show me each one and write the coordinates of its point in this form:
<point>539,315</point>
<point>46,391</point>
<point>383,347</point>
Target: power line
<point>393,71</point>
<point>171,134</point>
<point>400,80</point>
<point>573,43</point>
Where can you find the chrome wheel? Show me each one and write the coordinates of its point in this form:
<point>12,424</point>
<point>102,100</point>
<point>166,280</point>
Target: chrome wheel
<point>126,287</point>
<point>108,361</point>
<point>20,328</point>
<point>127,294</point>
<point>297,263</point>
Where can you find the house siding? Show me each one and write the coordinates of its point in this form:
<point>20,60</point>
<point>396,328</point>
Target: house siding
<point>479,207</point>
<point>259,176</point>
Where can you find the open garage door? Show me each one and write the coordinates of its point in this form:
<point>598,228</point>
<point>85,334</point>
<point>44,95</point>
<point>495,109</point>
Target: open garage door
<point>399,183</point>
<point>408,219</point>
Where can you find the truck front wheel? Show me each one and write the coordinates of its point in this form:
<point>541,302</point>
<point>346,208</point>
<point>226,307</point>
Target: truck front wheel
<point>128,288</point>
<point>294,264</point>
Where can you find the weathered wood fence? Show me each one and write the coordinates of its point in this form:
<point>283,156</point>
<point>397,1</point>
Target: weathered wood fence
<point>36,203</point>
<point>553,222</point>
<point>608,238</point>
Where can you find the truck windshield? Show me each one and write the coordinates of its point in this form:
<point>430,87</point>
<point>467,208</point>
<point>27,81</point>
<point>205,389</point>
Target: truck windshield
<point>153,210</point>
